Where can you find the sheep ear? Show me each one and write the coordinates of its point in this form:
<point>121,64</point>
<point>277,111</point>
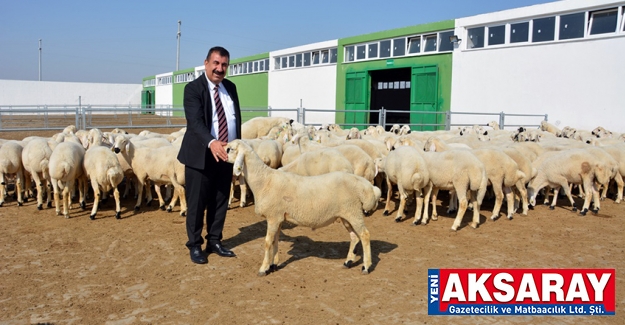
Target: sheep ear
<point>432,147</point>
<point>238,164</point>
<point>128,147</point>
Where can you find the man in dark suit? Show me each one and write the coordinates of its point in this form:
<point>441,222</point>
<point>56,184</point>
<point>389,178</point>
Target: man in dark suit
<point>211,107</point>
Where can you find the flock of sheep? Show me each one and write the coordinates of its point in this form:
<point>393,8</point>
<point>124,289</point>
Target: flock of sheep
<point>286,164</point>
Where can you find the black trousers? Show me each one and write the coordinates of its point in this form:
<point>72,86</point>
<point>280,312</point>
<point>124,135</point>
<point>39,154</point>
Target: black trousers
<point>207,194</point>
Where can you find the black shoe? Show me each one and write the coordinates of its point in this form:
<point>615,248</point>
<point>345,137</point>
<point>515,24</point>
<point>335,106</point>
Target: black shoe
<point>220,250</point>
<point>197,256</point>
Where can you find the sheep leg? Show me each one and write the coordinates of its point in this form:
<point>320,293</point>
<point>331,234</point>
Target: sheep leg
<point>276,258</point>
<point>39,187</point>
<point>434,212</point>
<point>96,197</point>
<point>418,193</point>
<point>476,211</point>
<point>19,182</point>
<point>426,204</point>
<point>243,186</point>
<point>118,209</point>
<point>272,229</point>
<point>82,190</point>
<point>57,193</point>
<point>174,200</point>
<point>49,192</point>
<point>161,202</point>
<point>3,189</point>
<point>507,190</point>
<point>148,193</point>
<point>453,202</point>
<point>389,195</point>
<point>498,190</point>
<point>588,193</point>
<point>358,226</point>
<point>354,240</point>
<point>140,185</point>
<point>66,201</point>
<point>231,193</point>
<point>461,193</point>
<point>595,197</point>
<point>403,195</point>
<point>619,185</point>
<point>520,186</point>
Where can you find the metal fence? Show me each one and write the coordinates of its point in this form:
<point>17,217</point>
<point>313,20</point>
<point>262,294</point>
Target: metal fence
<point>57,117</point>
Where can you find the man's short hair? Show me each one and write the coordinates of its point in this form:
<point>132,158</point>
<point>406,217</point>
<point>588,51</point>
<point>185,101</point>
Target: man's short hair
<point>222,52</point>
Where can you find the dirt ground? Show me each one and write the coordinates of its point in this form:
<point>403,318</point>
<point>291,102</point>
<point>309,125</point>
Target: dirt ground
<point>137,269</point>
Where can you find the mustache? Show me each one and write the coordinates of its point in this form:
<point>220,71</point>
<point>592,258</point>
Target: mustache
<point>218,72</point>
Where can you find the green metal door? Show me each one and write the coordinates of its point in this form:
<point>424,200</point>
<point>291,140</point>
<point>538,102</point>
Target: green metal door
<point>424,96</point>
<point>356,96</point>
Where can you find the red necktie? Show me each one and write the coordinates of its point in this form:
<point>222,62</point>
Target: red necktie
<point>221,117</point>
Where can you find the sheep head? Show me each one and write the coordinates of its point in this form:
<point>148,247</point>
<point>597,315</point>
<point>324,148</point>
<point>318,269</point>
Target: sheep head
<point>236,156</point>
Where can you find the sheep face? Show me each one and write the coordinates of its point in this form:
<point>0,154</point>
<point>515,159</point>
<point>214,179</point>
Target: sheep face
<point>236,157</point>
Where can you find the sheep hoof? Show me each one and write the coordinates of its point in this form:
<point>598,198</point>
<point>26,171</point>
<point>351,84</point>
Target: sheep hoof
<point>19,204</point>
<point>364,271</point>
<point>574,209</point>
<point>1,204</point>
<point>494,218</point>
<point>183,213</point>
<point>148,203</point>
<point>49,204</point>
<point>398,219</point>
<point>92,217</point>
<point>39,207</point>
<point>347,264</point>
<point>474,225</point>
<point>435,218</point>
<point>595,211</point>
<point>583,212</point>
<point>510,217</point>
<point>124,197</point>
<point>385,213</point>
<point>273,268</point>
<point>602,199</point>
<point>137,208</point>
<point>453,228</point>
<point>546,203</point>
<point>162,207</point>
<point>26,199</point>
<point>83,205</point>
<point>58,213</point>
<point>551,207</point>
<point>66,216</point>
<point>452,211</point>
<point>169,208</point>
<point>262,273</point>
<point>118,215</point>
<point>243,204</point>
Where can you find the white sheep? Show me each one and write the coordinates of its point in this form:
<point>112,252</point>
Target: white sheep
<point>11,164</point>
<point>406,167</point>
<point>573,166</point>
<point>35,158</point>
<point>66,167</point>
<point>105,172</point>
<point>494,125</point>
<point>313,201</point>
<point>548,127</point>
<point>260,126</point>
<point>318,162</point>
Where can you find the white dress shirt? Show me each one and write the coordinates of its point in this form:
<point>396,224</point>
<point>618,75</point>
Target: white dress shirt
<point>228,105</point>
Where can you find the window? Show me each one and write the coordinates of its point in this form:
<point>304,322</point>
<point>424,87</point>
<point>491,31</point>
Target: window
<point>385,49</point>
<point>324,56</point>
<point>333,55</point>
<point>284,62</point>
<point>373,51</point>
<point>256,66</point>
<point>277,64</point>
<point>360,52</point>
<point>266,64</point>
<point>430,43</point>
<point>349,53</point>
<point>291,61</point>
<point>315,57</point>
<point>306,59</point>
<point>399,47</point>
<point>602,22</point>
<point>572,26</point>
<point>443,41</point>
<point>519,32</point>
<point>244,68</point>
<point>497,35</point>
<point>476,38</point>
<point>298,60</point>
<point>261,65</point>
<point>250,67</point>
<point>414,45</point>
<point>544,29</point>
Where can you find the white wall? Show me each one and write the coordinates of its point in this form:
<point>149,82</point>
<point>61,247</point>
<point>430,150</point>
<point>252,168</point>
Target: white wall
<point>165,93</point>
<point>23,92</point>
<point>578,83</point>
<point>314,86</point>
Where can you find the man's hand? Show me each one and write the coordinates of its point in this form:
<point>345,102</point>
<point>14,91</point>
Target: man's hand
<point>218,148</point>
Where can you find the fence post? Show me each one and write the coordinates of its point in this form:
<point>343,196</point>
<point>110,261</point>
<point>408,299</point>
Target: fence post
<point>45,116</point>
<point>502,118</point>
<point>381,117</point>
<point>129,116</point>
<point>546,117</point>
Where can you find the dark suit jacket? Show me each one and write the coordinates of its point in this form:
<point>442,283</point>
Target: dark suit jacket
<point>199,113</point>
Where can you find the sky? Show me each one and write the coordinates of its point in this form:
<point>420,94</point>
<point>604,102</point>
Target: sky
<point>124,41</point>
